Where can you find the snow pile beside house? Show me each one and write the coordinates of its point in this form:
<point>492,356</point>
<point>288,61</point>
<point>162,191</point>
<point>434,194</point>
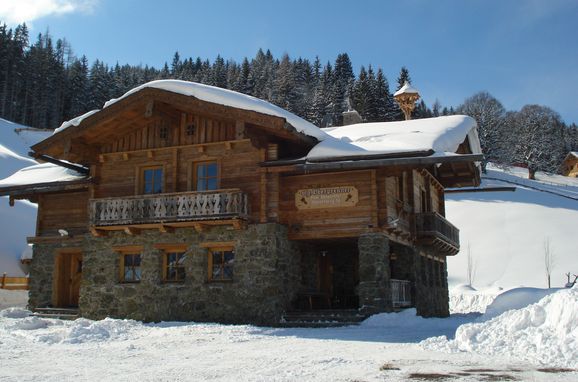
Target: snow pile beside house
<point>543,333</point>
<point>466,299</point>
<point>14,299</point>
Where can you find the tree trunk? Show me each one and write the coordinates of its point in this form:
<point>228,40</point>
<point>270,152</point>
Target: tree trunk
<point>531,173</point>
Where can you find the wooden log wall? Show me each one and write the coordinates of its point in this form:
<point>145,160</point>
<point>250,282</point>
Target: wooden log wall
<point>160,131</point>
<point>66,211</point>
<point>328,222</point>
<point>119,173</point>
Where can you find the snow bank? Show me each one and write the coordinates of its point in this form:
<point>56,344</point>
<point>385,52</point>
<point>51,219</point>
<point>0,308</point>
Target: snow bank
<point>516,299</point>
<point>13,299</point>
<point>544,333</point>
<point>441,134</point>
<point>466,299</point>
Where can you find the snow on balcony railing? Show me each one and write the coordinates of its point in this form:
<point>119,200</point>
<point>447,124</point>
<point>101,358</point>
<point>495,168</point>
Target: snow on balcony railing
<point>162,208</point>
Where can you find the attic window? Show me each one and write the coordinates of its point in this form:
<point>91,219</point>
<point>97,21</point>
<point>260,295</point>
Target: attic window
<point>164,133</point>
<point>191,129</point>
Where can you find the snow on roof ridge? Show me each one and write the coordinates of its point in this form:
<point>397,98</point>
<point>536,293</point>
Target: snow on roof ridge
<point>441,134</point>
<point>218,96</point>
<point>406,88</point>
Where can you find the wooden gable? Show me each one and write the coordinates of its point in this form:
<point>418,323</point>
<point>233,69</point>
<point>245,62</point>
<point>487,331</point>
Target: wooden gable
<point>153,118</point>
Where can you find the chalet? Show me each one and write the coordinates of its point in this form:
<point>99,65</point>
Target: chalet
<point>181,201</point>
<point>569,166</point>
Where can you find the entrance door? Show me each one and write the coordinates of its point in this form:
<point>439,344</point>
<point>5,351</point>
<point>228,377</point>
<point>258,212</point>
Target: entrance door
<point>68,274</point>
<point>325,274</point>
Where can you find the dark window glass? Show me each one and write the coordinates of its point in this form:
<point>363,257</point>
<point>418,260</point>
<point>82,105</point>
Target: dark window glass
<point>222,265</point>
<point>175,266</point>
<point>153,180</point>
<point>190,129</point>
<point>207,175</point>
<point>132,268</point>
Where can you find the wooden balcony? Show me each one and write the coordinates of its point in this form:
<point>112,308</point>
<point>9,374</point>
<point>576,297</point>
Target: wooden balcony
<point>434,229</point>
<point>168,210</point>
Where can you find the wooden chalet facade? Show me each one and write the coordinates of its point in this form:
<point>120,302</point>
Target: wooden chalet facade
<point>186,208</point>
<point>569,166</point>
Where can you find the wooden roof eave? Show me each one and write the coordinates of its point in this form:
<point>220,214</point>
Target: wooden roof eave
<point>307,166</point>
<point>276,125</point>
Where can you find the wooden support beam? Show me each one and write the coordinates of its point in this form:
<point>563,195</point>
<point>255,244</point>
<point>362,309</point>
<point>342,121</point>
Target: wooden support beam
<point>166,229</point>
<point>96,232</point>
<point>198,227</point>
<point>131,231</point>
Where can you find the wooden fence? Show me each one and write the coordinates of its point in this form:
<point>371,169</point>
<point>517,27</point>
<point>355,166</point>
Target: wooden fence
<point>13,283</point>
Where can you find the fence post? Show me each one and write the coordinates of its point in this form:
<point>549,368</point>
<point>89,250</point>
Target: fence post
<point>3,280</point>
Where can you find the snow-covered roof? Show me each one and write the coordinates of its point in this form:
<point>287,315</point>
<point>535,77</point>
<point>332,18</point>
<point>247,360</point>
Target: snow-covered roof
<point>218,96</point>
<point>406,88</point>
<point>39,174</point>
<point>443,135</point>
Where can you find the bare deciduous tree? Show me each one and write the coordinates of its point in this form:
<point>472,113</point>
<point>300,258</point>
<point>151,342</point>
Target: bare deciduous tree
<point>549,260</point>
<point>471,267</point>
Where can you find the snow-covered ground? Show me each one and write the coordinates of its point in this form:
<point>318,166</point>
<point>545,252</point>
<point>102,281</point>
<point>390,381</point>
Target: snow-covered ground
<point>506,231</point>
<point>538,342</point>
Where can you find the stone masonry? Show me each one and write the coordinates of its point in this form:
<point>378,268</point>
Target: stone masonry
<point>266,277</point>
<point>374,274</point>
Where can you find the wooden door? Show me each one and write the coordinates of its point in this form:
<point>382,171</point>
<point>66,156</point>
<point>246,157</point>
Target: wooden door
<point>68,274</point>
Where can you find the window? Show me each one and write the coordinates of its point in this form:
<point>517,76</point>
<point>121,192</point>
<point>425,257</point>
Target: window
<point>174,266</point>
<point>206,176</point>
<point>221,262</point>
<point>164,133</point>
<point>152,180</point>
<point>130,267</point>
<point>191,129</point>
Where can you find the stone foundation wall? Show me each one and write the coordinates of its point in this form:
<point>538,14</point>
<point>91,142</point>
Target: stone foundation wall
<point>374,274</point>
<point>266,277</point>
<point>41,270</point>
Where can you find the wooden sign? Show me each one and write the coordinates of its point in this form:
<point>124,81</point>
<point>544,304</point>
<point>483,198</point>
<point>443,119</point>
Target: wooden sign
<point>329,197</point>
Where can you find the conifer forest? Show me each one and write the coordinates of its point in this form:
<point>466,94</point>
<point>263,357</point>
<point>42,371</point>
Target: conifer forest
<point>43,83</point>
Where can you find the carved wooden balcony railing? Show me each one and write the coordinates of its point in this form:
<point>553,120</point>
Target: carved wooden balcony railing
<point>432,228</point>
<point>167,208</point>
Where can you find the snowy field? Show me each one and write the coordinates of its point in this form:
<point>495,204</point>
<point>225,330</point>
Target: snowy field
<point>538,342</point>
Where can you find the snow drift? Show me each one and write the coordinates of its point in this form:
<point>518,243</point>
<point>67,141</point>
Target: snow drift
<point>544,333</point>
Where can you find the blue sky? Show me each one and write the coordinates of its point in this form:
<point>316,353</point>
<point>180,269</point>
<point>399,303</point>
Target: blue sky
<point>521,51</point>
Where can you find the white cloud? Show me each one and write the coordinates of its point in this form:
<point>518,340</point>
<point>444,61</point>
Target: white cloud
<point>14,12</point>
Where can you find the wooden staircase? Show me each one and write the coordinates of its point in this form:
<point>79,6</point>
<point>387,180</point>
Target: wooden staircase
<point>58,313</point>
<point>321,318</point>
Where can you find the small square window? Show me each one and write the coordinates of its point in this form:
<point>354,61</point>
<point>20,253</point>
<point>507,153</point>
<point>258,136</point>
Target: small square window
<point>131,267</point>
<point>221,264</point>
<point>191,129</point>
<point>174,266</point>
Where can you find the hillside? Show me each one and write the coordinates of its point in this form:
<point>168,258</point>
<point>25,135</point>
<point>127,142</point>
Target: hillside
<point>505,231</point>
<point>19,221</point>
